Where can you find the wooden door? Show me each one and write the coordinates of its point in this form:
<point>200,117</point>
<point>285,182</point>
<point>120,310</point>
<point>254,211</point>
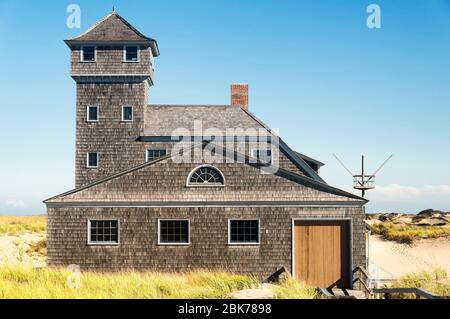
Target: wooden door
<point>322,252</point>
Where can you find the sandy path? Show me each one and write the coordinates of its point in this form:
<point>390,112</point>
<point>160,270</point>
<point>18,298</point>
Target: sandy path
<point>394,259</point>
<point>13,250</point>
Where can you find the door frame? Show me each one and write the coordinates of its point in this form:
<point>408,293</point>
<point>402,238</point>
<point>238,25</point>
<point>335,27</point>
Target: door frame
<point>350,224</point>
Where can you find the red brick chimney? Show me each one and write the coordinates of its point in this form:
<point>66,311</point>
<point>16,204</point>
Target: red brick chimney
<point>239,95</point>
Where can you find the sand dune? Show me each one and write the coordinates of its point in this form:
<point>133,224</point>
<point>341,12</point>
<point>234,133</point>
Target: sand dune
<point>395,259</point>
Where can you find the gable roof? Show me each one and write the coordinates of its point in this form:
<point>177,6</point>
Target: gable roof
<point>114,29</point>
<point>339,196</point>
<point>162,122</point>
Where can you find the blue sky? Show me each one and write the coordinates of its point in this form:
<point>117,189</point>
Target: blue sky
<point>316,72</point>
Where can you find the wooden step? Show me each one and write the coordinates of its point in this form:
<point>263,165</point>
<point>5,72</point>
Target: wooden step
<point>348,294</point>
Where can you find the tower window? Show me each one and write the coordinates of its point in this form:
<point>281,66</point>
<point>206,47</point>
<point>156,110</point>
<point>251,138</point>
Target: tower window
<point>153,154</point>
<point>127,113</point>
<point>92,113</point>
<point>92,160</point>
<point>88,54</point>
<point>131,54</point>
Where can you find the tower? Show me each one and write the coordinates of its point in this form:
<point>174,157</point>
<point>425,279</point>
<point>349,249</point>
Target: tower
<point>112,64</point>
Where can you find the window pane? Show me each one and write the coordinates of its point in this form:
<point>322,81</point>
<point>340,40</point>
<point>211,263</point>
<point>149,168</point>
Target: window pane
<point>154,154</point>
<point>92,160</point>
<point>104,231</point>
<point>174,231</point>
<point>93,113</point>
<point>263,155</point>
<point>88,53</point>
<point>131,53</point>
<point>127,113</point>
<point>244,231</point>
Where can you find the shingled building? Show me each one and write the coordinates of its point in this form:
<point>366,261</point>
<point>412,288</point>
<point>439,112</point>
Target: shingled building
<point>181,187</point>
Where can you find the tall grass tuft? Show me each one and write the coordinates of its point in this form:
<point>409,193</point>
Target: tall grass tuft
<point>407,234</point>
<point>435,281</point>
<point>293,289</point>
<point>16,225</point>
<point>23,282</point>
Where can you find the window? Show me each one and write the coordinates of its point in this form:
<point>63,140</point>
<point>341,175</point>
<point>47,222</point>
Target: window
<point>103,232</point>
<point>131,54</point>
<point>127,113</point>
<point>92,160</point>
<point>154,154</point>
<point>88,54</point>
<point>263,155</point>
<point>243,231</point>
<point>173,232</point>
<point>205,176</point>
<point>92,113</point>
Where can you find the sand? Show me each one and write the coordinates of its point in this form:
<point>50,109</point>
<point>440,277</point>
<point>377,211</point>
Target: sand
<point>13,250</point>
<point>394,259</point>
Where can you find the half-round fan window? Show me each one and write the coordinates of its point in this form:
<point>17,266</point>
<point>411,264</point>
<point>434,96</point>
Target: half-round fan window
<point>206,176</point>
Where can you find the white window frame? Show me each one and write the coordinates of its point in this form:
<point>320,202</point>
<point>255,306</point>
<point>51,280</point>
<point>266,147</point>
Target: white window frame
<point>188,184</point>
<point>244,243</point>
<point>81,53</point>
<point>102,243</point>
<point>262,149</point>
<point>87,159</point>
<point>132,113</point>
<point>153,149</point>
<point>174,219</point>
<point>87,113</point>
<point>125,54</point>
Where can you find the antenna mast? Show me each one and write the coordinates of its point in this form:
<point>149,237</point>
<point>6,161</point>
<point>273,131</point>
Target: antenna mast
<point>362,181</point>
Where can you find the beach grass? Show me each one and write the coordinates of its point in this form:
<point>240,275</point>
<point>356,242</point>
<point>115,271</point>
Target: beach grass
<point>25,282</point>
<point>436,281</point>
<point>407,234</point>
<point>16,225</point>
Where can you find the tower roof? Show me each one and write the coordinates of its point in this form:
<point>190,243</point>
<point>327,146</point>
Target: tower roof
<point>114,29</point>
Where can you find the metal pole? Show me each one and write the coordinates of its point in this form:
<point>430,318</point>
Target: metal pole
<point>362,175</point>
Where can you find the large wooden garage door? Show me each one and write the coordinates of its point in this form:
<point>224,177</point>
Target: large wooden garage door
<point>322,253</point>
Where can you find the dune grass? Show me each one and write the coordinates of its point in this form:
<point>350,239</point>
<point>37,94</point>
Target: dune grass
<point>23,282</point>
<point>436,281</point>
<point>293,289</point>
<point>407,234</point>
<point>16,225</point>
<point>39,248</point>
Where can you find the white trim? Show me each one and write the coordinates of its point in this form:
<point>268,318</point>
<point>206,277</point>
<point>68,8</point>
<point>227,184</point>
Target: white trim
<point>87,113</point>
<point>174,244</point>
<point>252,153</point>
<point>206,184</point>
<point>132,113</point>
<point>153,149</point>
<point>350,221</point>
<point>82,55</point>
<point>244,243</point>
<point>102,243</point>
<point>87,159</point>
<point>125,54</point>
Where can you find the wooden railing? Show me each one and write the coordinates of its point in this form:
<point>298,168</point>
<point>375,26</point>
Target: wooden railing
<point>419,292</point>
<point>361,275</point>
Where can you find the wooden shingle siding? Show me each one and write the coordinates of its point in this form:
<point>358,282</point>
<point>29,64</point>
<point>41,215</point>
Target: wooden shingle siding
<point>110,61</point>
<point>166,181</point>
<point>110,137</point>
<point>208,249</point>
